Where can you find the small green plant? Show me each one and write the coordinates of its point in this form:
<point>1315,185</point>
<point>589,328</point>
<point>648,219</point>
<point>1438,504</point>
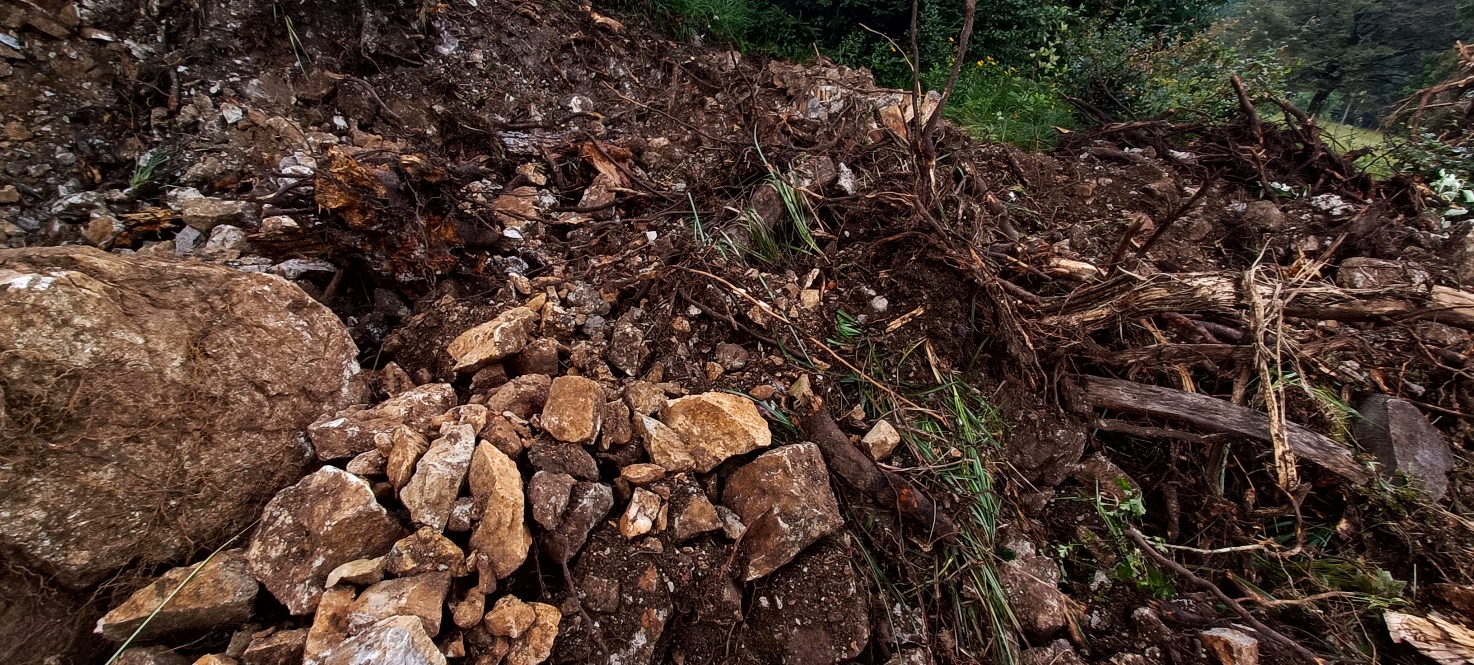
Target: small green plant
<point>292,39</point>
<point>146,168</point>
<point>847,330</point>
<point>1131,565</point>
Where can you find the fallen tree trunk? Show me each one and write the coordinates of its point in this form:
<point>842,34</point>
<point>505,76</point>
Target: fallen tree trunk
<point>884,487</point>
<point>1218,415</point>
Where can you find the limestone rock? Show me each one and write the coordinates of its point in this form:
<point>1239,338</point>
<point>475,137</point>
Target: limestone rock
<point>784,498</point>
<point>351,432</point>
<point>425,551</point>
<point>881,440</point>
<point>537,644</point>
<point>1231,647</point>
<point>462,514</point>
<point>639,517</point>
<point>420,596</point>
<point>94,344</point>
<point>494,340</point>
<point>645,398</point>
<point>359,571</point>
<point>203,214</point>
<point>150,656</point>
<point>540,356</point>
<point>501,433</point>
<point>213,659</point>
<point>1032,584</point>
<point>510,617</point>
<point>549,493</point>
<point>329,625</point>
<point>574,409</point>
<point>367,463</point>
<point>627,349</point>
<point>1403,440</point>
<point>693,514</point>
<point>522,396</point>
<point>502,536</point>
<point>399,640</point>
<point>588,505</point>
<point>730,356</point>
<point>642,474</point>
<point>220,594</point>
<point>616,427</point>
<point>283,647</point>
<point>438,478</point>
<point>470,610</point>
<point>406,448</point>
<point>665,447</point>
<point>715,426</point>
<point>330,513</point>
<point>558,457</point>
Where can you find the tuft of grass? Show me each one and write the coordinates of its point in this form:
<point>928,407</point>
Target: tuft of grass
<point>996,103</point>
<point>146,168</point>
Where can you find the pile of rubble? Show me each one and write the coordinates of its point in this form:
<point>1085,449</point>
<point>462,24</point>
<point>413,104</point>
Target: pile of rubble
<point>434,527</point>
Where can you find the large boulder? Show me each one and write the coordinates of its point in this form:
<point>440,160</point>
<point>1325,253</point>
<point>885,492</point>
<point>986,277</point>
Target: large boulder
<point>148,407</point>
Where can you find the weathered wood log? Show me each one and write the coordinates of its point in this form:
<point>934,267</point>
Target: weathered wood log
<point>1219,415</point>
<point>1172,354</point>
<point>885,488</point>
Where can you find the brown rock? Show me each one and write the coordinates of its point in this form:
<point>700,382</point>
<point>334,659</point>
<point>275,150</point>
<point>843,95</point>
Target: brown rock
<point>557,457</point>
<point>645,398</point>
<point>488,378</point>
<point>694,515</point>
<point>494,340</point>
<point>420,596</point>
<point>438,478</point>
<point>1231,647</point>
<point>204,213</point>
<point>814,610</point>
<point>220,594</point>
<point>522,396</point>
<point>1032,585</point>
<point>216,659</point>
<point>94,344</point>
<point>470,610</point>
<point>425,551</point>
<point>283,647</point>
<point>399,640</point>
<point>1050,655</point>
<point>574,410</point>
<point>394,381</point>
<point>501,433</point>
<point>616,428</point>
<point>730,356</point>
<point>501,537</point>
<point>783,497</point>
<point>329,625</point>
<point>351,432</point>
<point>462,514</point>
<point>665,447</point>
<point>639,517</point>
<point>330,513</point>
<point>150,656</point>
<point>406,448</point>
<point>549,493</point>
<point>537,644</point>
<point>589,504</point>
<point>763,392</point>
<point>367,463</point>
<point>1099,474</point>
<point>881,440</point>
<point>715,426</point>
<point>362,572</point>
<point>642,474</point>
<point>510,617</point>
<point>100,231</point>
<point>474,415</point>
<point>627,349</point>
<point>539,357</point>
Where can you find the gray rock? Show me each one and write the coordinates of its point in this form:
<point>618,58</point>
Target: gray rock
<point>420,596</point>
<point>549,493</point>
<point>399,640</point>
<point>206,213</point>
<point>588,505</point>
<point>1403,440</point>
<point>439,476</point>
<point>1032,584</point>
<point>1367,273</point>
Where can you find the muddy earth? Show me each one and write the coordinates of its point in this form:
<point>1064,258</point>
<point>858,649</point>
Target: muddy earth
<point>496,331</point>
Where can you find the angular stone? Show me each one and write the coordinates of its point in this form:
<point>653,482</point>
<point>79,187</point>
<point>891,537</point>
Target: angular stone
<point>461,515</point>
<point>665,447</point>
<point>784,498</point>
<point>283,647</point>
<point>399,640</point>
<point>501,433</point>
<point>367,463</point>
<point>204,213</point>
<point>494,340</point>
<point>329,625</point>
<point>589,504</point>
<point>645,398</point>
<point>642,474</point>
<point>1032,585</point>
<point>715,426</point>
<point>474,415</point>
<point>1099,474</point>
<point>557,457</point>
<point>215,659</point>
<point>1403,440</point>
<point>501,537</point>
<point>150,656</point>
<point>574,410</point>
<point>359,571</point>
<point>693,514</point>
<point>425,551</point>
<point>330,513</point>
<point>406,448</point>
<point>522,396</point>
<point>537,644</point>
<point>470,610</point>
<point>730,356</point>
<point>510,617</point>
<point>548,493</point>
<point>489,378</point>
<point>94,344</point>
<point>1231,647</point>
<point>616,429</point>
<point>627,349</point>
<point>881,440</point>
<point>540,356</point>
<point>639,517</point>
<point>420,596</point>
<point>438,478</point>
<point>220,594</point>
<point>351,432</point>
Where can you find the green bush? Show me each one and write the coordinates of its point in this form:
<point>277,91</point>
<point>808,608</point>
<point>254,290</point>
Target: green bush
<point>998,103</point>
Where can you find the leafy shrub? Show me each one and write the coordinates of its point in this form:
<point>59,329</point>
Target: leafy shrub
<point>998,103</point>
